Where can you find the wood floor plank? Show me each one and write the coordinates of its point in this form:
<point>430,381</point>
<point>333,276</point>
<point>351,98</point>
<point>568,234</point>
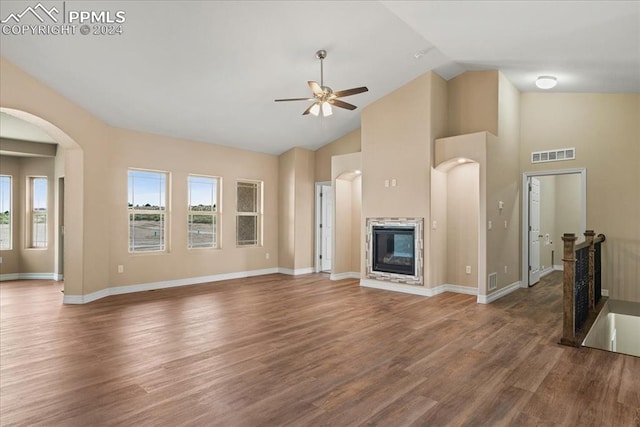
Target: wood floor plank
<point>302,351</point>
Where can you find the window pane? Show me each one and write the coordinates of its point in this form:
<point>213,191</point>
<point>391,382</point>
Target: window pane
<point>147,190</point>
<point>247,230</point>
<point>38,204</point>
<point>202,231</point>
<point>203,193</point>
<point>39,195</point>
<point>146,232</point>
<point>39,230</point>
<point>5,212</point>
<point>247,197</point>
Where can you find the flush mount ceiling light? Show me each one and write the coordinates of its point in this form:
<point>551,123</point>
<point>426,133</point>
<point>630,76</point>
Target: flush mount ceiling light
<point>546,82</point>
<point>323,96</point>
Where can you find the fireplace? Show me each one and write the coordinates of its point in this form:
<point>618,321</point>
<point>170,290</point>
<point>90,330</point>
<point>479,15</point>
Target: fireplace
<point>394,250</point>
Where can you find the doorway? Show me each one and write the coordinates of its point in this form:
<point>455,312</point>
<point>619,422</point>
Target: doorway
<point>554,203</point>
<point>324,227</point>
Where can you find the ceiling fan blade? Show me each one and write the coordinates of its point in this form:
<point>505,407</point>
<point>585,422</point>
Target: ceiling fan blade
<point>349,92</point>
<point>342,104</point>
<point>315,88</point>
<point>308,110</point>
<point>294,99</point>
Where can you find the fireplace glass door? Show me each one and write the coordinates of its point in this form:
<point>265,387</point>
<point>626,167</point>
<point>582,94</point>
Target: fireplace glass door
<point>394,249</point>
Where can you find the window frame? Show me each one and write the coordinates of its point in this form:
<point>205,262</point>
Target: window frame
<point>11,211</point>
<point>216,215</point>
<point>258,214</point>
<point>165,213</point>
<point>31,213</point>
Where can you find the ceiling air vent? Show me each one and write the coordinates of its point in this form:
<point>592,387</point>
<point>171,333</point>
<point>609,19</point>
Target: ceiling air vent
<point>553,155</point>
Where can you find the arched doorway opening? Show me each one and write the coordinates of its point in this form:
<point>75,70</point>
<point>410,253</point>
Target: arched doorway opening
<point>68,208</point>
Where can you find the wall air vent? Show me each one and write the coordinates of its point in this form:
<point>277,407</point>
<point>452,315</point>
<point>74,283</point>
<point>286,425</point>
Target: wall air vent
<point>493,281</point>
<point>553,155</point>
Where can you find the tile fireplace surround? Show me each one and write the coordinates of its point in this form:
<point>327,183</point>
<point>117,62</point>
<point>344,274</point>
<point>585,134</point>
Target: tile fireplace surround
<point>414,224</point>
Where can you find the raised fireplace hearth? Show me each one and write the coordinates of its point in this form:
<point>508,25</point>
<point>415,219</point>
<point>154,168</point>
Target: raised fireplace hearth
<point>394,251</point>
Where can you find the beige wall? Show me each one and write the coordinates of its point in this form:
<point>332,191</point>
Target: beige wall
<point>473,103</point>
<point>568,214</point>
<point>286,209</point>
<point>350,143</point>
<point>296,207</point>
<point>343,245</point>
<point>305,212</point>
<point>397,137</point>
<point>463,204</point>
<point>503,185</point>
<point>439,234</point>
<point>129,149</point>
<point>347,184</point>
<point>605,130</point>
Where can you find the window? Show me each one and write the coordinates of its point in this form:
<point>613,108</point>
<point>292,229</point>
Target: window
<point>38,211</point>
<point>249,213</point>
<point>5,213</point>
<point>204,205</point>
<point>147,211</point>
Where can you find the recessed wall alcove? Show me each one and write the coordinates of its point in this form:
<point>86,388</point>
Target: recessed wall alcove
<point>458,212</point>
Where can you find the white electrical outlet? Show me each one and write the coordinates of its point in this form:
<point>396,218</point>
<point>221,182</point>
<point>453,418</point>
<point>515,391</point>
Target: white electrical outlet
<point>506,224</point>
<point>490,225</point>
<point>266,256</point>
<point>505,269</point>
<point>386,182</point>
<point>393,182</point>
<point>468,269</point>
<point>120,268</point>
<point>435,225</point>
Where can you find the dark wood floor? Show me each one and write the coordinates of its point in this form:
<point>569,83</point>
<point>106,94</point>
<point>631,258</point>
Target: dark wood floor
<point>279,350</point>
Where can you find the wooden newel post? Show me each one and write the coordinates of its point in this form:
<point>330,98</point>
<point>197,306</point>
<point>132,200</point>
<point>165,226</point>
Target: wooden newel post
<point>568,289</point>
<point>589,236</point>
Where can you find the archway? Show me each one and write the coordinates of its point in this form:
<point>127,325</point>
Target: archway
<point>73,256</point>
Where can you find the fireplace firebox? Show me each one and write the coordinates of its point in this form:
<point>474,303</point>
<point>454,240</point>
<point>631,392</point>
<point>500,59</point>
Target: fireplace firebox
<point>394,250</point>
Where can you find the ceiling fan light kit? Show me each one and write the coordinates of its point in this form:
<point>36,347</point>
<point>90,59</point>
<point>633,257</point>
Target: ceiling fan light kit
<point>323,96</point>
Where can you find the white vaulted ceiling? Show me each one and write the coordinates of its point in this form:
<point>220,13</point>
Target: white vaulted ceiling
<point>209,71</point>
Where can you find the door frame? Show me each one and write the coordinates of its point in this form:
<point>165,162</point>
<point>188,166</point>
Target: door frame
<point>524,279</point>
<point>318,235</point>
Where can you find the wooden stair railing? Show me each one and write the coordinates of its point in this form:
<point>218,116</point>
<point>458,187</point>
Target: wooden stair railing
<point>582,299</point>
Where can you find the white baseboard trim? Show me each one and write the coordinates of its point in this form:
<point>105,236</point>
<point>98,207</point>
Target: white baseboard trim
<point>397,287</point>
<point>467,290</point>
<point>128,289</point>
<point>547,271</point>
<point>604,292</point>
<point>486,299</point>
<point>418,290</point>
<point>347,275</point>
<point>29,276</point>
<point>558,267</point>
<point>296,272</point>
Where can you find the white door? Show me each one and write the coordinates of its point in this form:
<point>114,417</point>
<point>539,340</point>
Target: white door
<point>534,231</point>
<point>326,228</point>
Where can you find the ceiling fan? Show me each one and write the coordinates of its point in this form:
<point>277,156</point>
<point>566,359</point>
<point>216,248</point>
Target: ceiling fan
<point>323,96</point>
